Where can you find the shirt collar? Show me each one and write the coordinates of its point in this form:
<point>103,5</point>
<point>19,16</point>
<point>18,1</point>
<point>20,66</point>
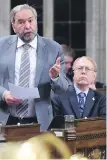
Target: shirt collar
<point>79,91</point>
<point>33,43</point>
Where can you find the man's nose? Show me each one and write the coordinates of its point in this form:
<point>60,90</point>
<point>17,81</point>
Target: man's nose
<point>83,70</point>
<point>69,65</point>
<point>27,25</point>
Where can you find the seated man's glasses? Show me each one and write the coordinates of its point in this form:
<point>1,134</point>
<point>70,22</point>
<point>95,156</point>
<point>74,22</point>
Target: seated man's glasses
<point>87,69</point>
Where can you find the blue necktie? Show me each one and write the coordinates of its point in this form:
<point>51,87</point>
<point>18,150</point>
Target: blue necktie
<point>81,102</point>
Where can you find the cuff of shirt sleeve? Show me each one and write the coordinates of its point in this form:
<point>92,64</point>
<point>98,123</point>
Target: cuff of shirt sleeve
<point>3,95</point>
<point>55,79</point>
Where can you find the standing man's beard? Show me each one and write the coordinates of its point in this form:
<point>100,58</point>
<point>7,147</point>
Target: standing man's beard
<point>26,38</point>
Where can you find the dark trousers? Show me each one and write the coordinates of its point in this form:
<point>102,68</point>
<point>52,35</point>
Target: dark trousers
<point>14,120</point>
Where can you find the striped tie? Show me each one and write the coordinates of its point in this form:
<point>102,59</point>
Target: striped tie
<point>24,76</point>
<point>81,102</point>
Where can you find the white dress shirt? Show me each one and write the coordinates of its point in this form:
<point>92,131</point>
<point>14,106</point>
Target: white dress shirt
<point>32,55</point>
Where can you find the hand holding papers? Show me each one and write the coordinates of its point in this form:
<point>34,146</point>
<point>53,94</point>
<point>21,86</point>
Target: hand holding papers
<point>23,93</point>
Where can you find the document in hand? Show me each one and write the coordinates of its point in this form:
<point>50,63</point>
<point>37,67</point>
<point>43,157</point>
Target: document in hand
<point>23,93</point>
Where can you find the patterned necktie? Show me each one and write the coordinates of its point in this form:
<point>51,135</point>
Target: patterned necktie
<point>24,77</point>
<point>81,102</point>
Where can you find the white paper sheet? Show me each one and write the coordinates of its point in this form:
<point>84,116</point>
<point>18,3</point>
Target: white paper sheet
<point>23,93</point>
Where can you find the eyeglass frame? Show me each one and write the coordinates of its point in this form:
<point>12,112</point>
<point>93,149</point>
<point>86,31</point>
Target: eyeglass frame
<point>87,69</point>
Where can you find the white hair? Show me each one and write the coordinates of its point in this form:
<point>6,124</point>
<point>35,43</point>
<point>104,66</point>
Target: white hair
<point>20,7</point>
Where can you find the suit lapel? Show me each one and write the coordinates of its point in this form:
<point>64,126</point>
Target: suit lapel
<point>41,58</point>
<point>74,102</point>
<point>11,52</point>
<point>90,100</point>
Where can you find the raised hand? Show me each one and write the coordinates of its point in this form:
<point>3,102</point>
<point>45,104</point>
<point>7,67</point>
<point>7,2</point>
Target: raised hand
<point>55,69</point>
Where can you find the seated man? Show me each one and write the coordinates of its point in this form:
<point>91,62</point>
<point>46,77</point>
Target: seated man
<point>79,100</point>
<point>69,58</point>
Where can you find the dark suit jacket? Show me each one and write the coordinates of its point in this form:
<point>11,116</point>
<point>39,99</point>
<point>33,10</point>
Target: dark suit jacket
<point>67,104</point>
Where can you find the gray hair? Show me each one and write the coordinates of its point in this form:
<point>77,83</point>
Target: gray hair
<point>89,59</point>
<point>20,7</point>
<point>68,51</point>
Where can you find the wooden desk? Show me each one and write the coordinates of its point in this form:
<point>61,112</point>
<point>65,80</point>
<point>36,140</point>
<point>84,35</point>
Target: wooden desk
<point>18,132</point>
<point>87,137</point>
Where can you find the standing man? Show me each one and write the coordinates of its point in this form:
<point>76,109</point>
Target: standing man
<point>69,57</point>
<point>80,100</point>
<point>29,60</point>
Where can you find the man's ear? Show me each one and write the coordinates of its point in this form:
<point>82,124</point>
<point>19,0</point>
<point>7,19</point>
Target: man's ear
<point>70,74</point>
<point>95,75</point>
<point>13,26</point>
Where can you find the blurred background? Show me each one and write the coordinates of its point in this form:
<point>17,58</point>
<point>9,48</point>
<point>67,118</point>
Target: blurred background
<point>78,23</point>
